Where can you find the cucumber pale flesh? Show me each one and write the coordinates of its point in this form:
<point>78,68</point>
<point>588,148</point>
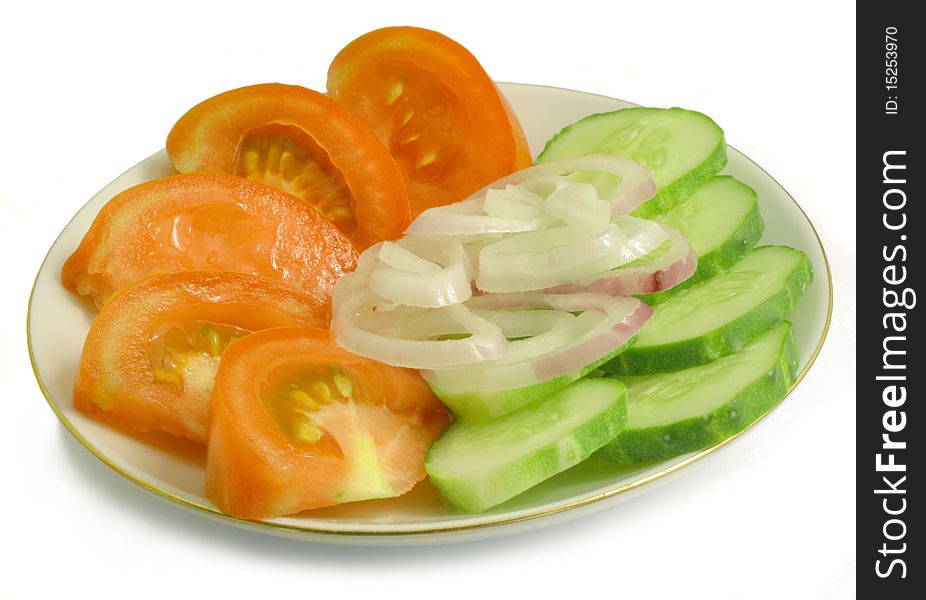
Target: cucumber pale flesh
<point>718,316</point>
<point>722,223</point>
<point>675,413</point>
<point>477,465</point>
<point>475,403</point>
<point>682,149</point>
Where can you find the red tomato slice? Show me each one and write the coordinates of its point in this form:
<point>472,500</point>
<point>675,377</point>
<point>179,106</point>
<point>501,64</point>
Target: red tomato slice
<point>150,357</point>
<point>296,422</point>
<point>301,142</point>
<point>430,101</point>
<point>207,222</point>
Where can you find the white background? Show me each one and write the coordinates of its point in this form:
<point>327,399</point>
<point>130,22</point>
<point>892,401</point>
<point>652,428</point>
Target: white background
<point>90,89</point>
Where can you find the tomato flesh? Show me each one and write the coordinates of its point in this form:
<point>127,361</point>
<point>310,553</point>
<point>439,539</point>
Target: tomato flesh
<point>422,122</point>
<point>150,358</point>
<point>429,100</point>
<point>298,423</point>
<point>180,351</point>
<point>212,233</point>
<point>301,142</point>
<point>207,222</point>
<point>288,159</point>
<point>297,400</point>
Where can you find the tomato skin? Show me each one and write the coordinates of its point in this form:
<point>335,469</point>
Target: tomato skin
<point>255,470</point>
<point>208,137</point>
<point>484,130</point>
<point>116,376</point>
<point>207,221</point>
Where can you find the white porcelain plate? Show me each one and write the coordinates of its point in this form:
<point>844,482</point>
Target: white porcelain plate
<point>58,323</point>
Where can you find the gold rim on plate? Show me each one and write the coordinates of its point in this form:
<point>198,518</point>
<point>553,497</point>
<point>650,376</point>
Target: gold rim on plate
<point>527,516</point>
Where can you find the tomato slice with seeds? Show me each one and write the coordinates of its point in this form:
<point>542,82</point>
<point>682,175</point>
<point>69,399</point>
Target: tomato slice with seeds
<point>208,222</point>
<point>429,100</point>
<point>297,422</point>
<point>301,142</point>
<point>150,357</point>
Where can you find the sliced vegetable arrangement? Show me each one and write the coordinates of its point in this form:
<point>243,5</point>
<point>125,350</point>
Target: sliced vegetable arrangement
<point>482,321</point>
<point>492,323</point>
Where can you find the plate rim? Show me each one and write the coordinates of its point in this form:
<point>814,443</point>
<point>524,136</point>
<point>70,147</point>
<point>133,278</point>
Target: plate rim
<point>264,526</point>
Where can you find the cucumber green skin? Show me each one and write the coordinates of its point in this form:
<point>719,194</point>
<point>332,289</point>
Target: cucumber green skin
<point>719,259</point>
<point>527,471</point>
<point>690,435</point>
<point>726,339</point>
<point>481,406</point>
<point>676,192</point>
<point>673,193</point>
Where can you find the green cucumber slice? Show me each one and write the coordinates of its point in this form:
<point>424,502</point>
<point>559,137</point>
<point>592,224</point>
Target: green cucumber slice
<point>675,413</point>
<point>718,316</point>
<point>681,148</point>
<point>479,465</point>
<point>722,223</point>
<point>475,404</point>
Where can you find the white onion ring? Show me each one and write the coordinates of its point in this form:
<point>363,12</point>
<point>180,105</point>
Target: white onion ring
<point>410,303</point>
<point>514,202</point>
<point>678,264</point>
<point>550,257</point>
<point>468,217</point>
<point>578,205</point>
<point>395,255</point>
<point>636,185</point>
<point>359,328</point>
<point>610,322</point>
<point>543,331</point>
<point>439,278</point>
<point>539,259</point>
